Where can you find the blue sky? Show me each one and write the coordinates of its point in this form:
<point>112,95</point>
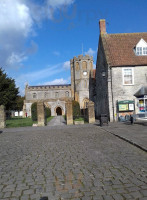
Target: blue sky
<point>39,37</point>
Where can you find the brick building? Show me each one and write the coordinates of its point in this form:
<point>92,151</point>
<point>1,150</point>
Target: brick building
<point>121,72</point>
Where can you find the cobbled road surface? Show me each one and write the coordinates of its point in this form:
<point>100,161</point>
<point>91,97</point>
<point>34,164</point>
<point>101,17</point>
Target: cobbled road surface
<point>70,162</point>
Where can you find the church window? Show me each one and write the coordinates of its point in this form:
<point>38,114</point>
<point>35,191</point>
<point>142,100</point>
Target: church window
<point>45,95</point>
<point>91,65</point>
<point>84,66</point>
<point>34,96</point>
<point>85,103</point>
<point>77,66</point>
<point>67,94</point>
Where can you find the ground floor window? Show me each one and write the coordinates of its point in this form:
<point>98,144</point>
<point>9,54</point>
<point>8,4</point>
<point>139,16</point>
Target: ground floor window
<point>142,104</point>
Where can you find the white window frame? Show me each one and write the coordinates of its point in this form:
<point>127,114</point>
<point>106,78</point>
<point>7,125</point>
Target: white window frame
<point>142,51</point>
<point>141,48</point>
<point>123,69</point>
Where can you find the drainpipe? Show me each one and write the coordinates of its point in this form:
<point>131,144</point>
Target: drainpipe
<point>112,94</point>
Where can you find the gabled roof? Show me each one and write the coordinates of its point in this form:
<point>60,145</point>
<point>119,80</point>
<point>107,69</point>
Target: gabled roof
<point>120,49</point>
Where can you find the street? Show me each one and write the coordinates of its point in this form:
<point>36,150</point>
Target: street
<point>70,162</point>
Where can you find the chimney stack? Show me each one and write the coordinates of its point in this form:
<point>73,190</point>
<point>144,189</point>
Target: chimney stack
<point>102,26</point>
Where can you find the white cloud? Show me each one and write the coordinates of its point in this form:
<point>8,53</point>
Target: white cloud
<point>15,16</point>
<point>16,58</point>
<point>56,53</point>
<point>40,75</point>
<point>60,81</point>
<point>90,52</point>
<point>66,65</point>
<point>59,3</point>
<point>16,24</point>
<point>17,21</point>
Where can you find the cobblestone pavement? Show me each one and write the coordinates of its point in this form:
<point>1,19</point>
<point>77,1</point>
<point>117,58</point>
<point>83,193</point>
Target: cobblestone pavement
<point>79,163</point>
<point>57,121</point>
<point>136,133</point>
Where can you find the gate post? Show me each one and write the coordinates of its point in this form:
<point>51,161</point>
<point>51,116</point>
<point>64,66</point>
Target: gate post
<point>2,117</point>
<point>69,113</point>
<point>41,113</point>
<point>91,112</point>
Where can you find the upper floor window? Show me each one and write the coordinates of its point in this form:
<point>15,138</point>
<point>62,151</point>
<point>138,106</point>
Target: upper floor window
<point>141,48</point>
<point>128,76</point>
<point>45,95</point>
<point>84,65</point>
<point>67,94</point>
<point>34,95</point>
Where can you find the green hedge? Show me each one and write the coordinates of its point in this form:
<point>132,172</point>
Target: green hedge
<point>76,109</point>
<point>47,112</point>
<point>34,111</point>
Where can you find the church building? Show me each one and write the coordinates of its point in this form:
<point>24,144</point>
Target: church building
<point>55,96</point>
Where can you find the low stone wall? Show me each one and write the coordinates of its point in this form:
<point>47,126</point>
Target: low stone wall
<point>2,117</point>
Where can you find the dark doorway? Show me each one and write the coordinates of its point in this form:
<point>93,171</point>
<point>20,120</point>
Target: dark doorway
<point>59,111</point>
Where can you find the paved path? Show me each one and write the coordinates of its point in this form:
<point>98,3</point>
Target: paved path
<point>136,133</point>
<point>70,162</point>
<point>57,121</point>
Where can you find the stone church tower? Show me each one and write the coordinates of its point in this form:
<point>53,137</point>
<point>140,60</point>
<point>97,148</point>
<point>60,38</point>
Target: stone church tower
<point>81,69</point>
<point>56,96</point>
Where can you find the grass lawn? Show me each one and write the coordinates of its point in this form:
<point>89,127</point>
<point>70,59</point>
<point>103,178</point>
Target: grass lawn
<point>21,122</point>
<point>79,119</point>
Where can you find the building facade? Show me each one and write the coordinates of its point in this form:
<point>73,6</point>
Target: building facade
<point>121,71</point>
<point>56,96</point>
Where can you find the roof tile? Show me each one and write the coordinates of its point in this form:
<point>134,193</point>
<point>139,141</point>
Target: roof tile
<point>119,49</point>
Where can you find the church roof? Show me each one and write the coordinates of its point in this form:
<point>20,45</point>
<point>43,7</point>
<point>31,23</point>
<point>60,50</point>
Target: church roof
<point>65,85</point>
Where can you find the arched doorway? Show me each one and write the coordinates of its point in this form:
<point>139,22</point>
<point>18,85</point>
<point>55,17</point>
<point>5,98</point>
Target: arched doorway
<point>58,111</point>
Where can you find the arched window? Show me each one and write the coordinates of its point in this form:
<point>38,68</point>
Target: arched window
<point>85,103</point>
<point>91,65</point>
<point>84,66</point>
<point>77,66</point>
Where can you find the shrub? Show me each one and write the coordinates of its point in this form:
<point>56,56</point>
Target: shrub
<point>34,111</point>
<point>76,109</point>
<point>47,112</point>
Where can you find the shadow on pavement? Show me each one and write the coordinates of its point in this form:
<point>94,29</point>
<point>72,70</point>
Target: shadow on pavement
<point>1,132</point>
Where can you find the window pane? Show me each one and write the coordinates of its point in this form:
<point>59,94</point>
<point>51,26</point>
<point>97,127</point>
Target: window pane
<point>145,50</point>
<point>128,77</point>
